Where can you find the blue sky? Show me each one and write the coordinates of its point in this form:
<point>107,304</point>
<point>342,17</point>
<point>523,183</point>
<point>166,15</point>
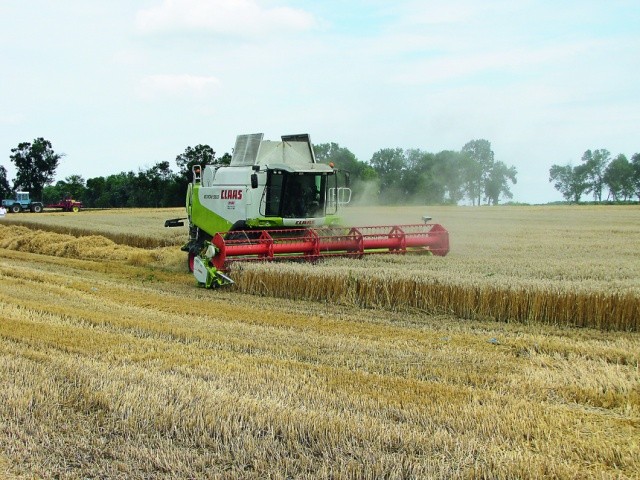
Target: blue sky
<point>122,85</point>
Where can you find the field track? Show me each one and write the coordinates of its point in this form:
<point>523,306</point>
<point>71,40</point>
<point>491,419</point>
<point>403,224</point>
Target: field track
<point>114,365</point>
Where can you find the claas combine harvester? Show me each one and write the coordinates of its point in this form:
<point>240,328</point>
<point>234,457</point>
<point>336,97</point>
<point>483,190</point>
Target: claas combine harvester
<point>276,202</point>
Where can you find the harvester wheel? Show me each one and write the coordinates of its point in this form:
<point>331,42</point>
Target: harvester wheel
<point>191,259</point>
<point>16,208</point>
<point>36,208</point>
<point>75,209</point>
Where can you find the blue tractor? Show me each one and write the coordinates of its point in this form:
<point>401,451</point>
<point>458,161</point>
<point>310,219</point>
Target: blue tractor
<point>21,203</point>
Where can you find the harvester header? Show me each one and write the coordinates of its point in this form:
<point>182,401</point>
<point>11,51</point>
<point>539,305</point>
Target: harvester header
<point>276,202</point>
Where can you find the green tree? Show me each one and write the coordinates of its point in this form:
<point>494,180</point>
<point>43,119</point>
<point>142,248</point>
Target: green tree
<point>596,163</point>
<point>421,180</point>
<point>341,157</point>
<point>571,182</point>
<point>224,159</point>
<point>389,164</point>
<point>5,190</point>
<point>198,155</point>
<point>156,186</point>
<point>36,165</point>
<point>449,166</point>
<point>72,186</point>
<point>94,195</point>
<point>362,175</point>
<point>478,170</point>
<point>618,177</point>
<point>161,187</point>
<point>471,173</point>
<point>497,183</point>
<point>635,177</point>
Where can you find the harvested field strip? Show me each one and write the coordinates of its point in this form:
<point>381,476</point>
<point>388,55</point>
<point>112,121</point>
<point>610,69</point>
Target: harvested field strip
<point>110,374</point>
<point>244,334</point>
<point>141,228</point>
<point>94,247</point>
<point>129,239</point>
<point>606,311</point>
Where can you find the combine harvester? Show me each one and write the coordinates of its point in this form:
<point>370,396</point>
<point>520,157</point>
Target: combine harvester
<point>275,202</point>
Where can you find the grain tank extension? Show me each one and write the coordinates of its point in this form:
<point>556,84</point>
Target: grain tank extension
<point>275,202</point>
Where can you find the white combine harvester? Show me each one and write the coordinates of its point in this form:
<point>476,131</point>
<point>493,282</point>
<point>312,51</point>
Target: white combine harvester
<point>275,202</point>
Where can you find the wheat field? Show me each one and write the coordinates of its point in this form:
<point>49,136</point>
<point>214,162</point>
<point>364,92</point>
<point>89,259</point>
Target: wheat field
<point>114,365</point>
<point>143,228</point>
<point>565,265</point>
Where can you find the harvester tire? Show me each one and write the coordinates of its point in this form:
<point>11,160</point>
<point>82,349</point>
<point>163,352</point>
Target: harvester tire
<point>75,209</point>
<point>16,208</point>
<point>191,255</point>
<point>36,208</point>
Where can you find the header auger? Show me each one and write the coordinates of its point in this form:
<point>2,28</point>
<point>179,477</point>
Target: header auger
<point>275,202</point>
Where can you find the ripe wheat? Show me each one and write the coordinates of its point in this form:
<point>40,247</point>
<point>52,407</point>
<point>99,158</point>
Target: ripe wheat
<point>109,369</point>
<point>559,265</point>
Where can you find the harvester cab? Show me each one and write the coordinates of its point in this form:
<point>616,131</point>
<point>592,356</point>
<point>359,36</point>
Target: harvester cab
<point>268,184</point>
<point>275,201</point>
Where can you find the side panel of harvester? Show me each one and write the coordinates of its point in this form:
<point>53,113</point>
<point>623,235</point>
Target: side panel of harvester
<point>221,199</point>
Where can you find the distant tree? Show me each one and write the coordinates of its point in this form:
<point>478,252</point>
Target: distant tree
<point>162,186</point>
<point>224,159</point>
<point>571,182</point>
<point>449,166</point>
<point>341,157</point>
<point>74,186</point>
<point>5,190</point>
<point>421,178</point>
<point>471,173</point>
<point>71,187</point>
<point>389,164</point>
<point>122,190</point>
<point>94,196</point>
<point>596,163</point>
<point>497,183</point>
<point>36,165</point>
<point>198,155</point>
<point>635,178</point>
<point>362,175</point>
<point>156,186</point>
<point>482,159</point>
<point>618,177</point>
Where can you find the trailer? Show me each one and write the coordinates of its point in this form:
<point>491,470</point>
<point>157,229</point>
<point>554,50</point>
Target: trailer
<point>67,205</point>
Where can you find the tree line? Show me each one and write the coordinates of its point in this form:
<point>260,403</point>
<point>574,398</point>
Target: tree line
<point>395,176</point>
<point>391,176</point>
<point>596,172</point>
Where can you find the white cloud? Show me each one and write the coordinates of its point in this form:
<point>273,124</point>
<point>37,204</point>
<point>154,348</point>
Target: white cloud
<point>153,86</point>
<point>228,17</point>
<point>464,64</point>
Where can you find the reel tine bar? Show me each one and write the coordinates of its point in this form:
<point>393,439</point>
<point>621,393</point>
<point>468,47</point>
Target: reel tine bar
<point>311,243</point>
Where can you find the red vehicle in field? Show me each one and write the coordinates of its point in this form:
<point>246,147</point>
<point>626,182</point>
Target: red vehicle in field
<point>67,205</point>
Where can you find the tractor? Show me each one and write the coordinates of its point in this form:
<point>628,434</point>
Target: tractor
<point>21,203</point>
